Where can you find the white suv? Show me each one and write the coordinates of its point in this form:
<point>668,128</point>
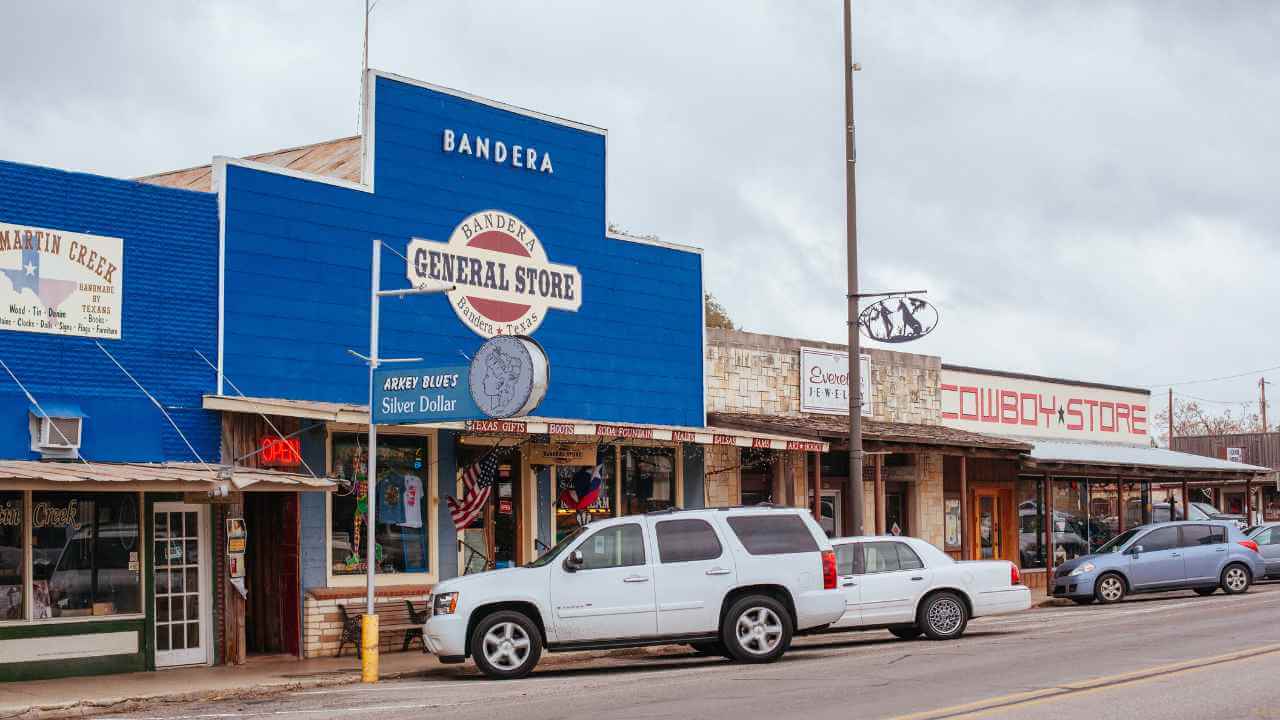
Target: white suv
<point>737,581</point>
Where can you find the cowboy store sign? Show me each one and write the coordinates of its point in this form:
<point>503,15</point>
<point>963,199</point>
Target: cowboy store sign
<point>60,283</point>
<point>503,283</point>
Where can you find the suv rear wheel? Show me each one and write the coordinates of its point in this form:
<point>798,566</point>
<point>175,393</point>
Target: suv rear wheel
<point>506,645</point>
<point>757,629</point>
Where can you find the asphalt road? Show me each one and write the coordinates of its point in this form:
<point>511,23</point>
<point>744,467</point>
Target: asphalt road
<point>1170,656</point>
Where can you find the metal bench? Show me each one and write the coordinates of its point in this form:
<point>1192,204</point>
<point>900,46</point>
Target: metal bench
<point>392,618</point>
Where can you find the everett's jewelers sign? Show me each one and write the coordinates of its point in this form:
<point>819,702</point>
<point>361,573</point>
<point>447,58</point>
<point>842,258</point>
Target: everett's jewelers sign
<point>824,382</point>
<point>61,283</point>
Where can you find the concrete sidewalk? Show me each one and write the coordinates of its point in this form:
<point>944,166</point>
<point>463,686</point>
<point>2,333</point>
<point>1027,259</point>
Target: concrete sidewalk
<point>83,696</point>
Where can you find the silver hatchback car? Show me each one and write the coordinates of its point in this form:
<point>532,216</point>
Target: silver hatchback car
<point>1200,555</point>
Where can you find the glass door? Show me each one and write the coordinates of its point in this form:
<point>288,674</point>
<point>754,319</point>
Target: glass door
<point>988,532</point>
<point>180,611</point>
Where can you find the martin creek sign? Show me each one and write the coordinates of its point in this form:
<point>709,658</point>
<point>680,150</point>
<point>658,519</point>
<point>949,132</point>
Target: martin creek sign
<point>503,282</point>
<point>60,283</point>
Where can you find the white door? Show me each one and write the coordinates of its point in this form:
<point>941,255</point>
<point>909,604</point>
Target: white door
<point>692,574</point>
<point>894,578</point>
<point>830,507</point>
<point>849,581</point>
<point>611,596</point>
<point>181,610</point>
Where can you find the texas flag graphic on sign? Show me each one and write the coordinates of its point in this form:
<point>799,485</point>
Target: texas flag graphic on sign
<point>58,282</point>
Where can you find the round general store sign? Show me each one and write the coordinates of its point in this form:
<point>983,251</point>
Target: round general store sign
<point>503,283</point>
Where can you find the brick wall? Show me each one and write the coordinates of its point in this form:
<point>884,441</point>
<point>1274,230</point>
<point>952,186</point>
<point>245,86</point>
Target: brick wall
<point>751,372</point>
<point>322,621</point>
<point>722,478</point>
<point>928,499</point>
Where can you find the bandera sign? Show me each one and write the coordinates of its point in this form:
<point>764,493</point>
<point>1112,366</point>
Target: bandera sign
<point>503,283</point>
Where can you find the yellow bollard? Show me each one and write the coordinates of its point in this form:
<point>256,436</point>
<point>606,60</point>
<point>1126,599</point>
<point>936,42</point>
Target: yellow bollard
<point>369,649</point>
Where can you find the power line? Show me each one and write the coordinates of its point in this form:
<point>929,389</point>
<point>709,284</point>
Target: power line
<point>1215,379</point>
<point>1219,402</point>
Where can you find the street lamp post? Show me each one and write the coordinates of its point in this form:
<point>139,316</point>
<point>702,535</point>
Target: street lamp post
<point>369,623</point>
<point>851,225</point>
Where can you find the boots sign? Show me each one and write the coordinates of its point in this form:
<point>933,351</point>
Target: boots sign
<point>502,282</point>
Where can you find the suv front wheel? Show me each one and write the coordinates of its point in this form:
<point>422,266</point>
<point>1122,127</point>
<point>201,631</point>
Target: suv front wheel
<point>757,629</point>
<point>506,645</point>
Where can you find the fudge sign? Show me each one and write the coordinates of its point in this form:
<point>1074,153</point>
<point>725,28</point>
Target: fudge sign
<point>503,282</point>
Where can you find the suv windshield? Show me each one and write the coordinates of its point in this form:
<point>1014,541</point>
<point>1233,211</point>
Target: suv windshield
<point>1117,542</point>
<point>559,548</point>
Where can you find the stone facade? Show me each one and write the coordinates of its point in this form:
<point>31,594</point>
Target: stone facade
<point>755,373</point>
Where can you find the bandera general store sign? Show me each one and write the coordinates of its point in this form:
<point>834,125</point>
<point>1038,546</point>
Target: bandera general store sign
<point>503,283</point>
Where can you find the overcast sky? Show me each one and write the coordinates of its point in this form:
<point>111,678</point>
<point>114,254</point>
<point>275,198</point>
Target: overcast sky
<point>1086,190</point>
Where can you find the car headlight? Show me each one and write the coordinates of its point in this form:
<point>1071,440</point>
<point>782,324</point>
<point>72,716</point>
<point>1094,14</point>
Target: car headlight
<point>1085,568</point>
<point>444,603</point>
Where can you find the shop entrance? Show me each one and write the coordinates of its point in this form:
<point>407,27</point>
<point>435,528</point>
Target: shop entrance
<point>896,509</point>
<point>830,519</point>
<point>271,611</point>
<point>181,607</point>
<point>494,538</point>
<point>988,528</point>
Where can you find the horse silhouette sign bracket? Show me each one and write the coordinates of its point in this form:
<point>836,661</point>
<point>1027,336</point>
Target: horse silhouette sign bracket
<point>898,319</point>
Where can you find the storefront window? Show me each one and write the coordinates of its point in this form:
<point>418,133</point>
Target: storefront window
<point>1137,504</point>
<point>12,586</point>
<point>403,523</point>
<point>1085,517</point>
<point>576,484</point>
<point>1270,504</point>
<point>648,479</point>
<point>1031,524</point>
<point>757,476</point>
<point>86,554</point>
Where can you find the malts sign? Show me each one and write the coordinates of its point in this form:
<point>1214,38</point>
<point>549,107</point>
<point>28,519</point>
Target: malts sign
<point>1003,404</point>
<point>503,282</point>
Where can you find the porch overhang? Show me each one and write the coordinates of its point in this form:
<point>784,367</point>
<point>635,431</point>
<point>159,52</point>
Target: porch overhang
<point>162,477</point>
<point>1137,462</point>
<point>598,431</point>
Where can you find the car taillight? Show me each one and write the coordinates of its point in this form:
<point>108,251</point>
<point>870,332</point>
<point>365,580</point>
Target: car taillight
<point>1250,544</point>
<point>1014,577</point>
<point>828,570</point>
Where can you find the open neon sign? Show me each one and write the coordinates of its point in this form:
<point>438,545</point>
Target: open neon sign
<point>277,452</point>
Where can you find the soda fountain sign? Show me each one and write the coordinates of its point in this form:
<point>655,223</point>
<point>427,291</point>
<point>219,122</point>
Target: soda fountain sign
<point>503,282</point>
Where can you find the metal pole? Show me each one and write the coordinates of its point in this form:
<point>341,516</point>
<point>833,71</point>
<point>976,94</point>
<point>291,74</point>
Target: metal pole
<point>369,623</point>
<point>851,224</point>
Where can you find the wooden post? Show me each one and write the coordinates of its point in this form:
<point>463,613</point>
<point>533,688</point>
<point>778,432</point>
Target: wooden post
<point>816,482</point>
<point>879,493</point>
<point>1186,501</point>
<point>1047,509</point>
<point>964,510</point>
<point>1120,498</point>
<point>1248,502</point>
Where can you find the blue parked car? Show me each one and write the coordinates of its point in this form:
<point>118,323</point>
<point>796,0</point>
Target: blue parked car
<point>1203,556</point>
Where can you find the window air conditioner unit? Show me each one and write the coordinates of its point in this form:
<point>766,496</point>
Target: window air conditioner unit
<point>60,433</point>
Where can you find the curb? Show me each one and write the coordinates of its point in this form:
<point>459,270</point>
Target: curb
<point>85,708</point>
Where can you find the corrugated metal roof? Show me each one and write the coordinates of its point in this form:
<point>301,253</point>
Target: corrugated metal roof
<point>173,472</point>
<point>339,158</point>
<point>1133,455</point>
<point>836,427</point>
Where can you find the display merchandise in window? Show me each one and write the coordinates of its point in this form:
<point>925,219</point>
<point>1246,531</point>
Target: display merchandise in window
<point>12,565</point>
<point>85,554</point>
<point>584,493</point>
<point>403,523</point>
<point>648,479</point>
<point>756,476</point>
<point>1085,517</point>
<point>1031,552</point>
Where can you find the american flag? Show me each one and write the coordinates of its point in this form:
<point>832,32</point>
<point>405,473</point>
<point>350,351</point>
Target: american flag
<point>477,482</point>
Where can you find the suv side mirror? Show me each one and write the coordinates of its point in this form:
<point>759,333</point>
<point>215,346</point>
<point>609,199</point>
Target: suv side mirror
<point>574,562</point>
<point>1136,550</point>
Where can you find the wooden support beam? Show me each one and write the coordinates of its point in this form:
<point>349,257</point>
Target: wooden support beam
<point>965,520</point>
<point>879,493</point>
<point>816,482</point>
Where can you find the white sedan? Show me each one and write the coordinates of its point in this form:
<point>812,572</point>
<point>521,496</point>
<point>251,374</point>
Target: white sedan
<point>909,587</point>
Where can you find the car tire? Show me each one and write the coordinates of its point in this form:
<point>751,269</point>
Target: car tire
<point>1082,601</point>
<point>1110,588</point>
<point>943,616</point>
<point>1206,591</point>
<point>506,645</point>
<point>911,632</point>
<point>711,648</point>
<point>757,629</point>
<point>1236,579</point>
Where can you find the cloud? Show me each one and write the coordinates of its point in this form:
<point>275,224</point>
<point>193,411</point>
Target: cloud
<point>1084,189</point>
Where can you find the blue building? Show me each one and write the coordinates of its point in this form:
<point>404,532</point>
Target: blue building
<point>188,411</point>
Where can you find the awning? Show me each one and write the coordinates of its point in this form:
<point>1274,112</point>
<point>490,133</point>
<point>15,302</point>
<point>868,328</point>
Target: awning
<point>177,475</point>
<point>1047,453</point>
<point>597,431</point>
<point>876,434</point>
<point>56,410</point>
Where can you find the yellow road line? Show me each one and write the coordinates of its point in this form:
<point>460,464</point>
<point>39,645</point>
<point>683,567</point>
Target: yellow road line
<point>1033,697</point>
